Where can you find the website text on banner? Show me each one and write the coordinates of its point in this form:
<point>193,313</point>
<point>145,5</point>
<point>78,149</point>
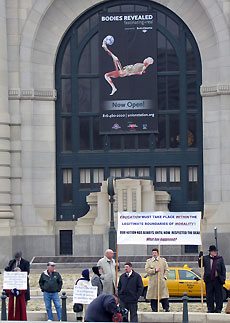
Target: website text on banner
<point>164,228</point>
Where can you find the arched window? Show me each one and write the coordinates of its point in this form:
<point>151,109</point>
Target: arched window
<point>172,158</point>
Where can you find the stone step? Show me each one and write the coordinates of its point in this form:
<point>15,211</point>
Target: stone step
<point>94,259</point>
<point>69,262</point>
<point>171,317</point>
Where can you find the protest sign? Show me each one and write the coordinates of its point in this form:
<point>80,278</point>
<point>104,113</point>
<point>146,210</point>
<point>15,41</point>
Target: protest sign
<point>15,279</point>
<point>159,228</point>
<point>84,294</point>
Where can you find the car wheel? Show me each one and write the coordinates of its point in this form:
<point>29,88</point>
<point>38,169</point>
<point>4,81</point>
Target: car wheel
<point>225,294</point>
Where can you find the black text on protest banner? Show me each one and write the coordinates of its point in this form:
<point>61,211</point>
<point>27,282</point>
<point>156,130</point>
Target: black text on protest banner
<point>179,228</point>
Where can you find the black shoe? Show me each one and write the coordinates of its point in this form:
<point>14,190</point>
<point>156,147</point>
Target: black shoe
<point>217,311</point>
<point>167,310</point>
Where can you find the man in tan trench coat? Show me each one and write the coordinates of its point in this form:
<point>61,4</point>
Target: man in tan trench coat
<point>155,267</point>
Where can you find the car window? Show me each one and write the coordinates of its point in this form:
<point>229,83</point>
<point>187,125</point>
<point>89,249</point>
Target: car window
<point>186,275</point>
<point>171,274</point>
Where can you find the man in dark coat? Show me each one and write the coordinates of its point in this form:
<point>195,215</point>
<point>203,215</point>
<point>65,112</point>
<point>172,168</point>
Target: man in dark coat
<point>23,265</point>
<point>102,309</point>
<point>130,288</point>
<point>214,278</point>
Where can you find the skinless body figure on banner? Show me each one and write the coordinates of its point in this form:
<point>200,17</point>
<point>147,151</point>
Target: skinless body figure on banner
<point>128,70</point>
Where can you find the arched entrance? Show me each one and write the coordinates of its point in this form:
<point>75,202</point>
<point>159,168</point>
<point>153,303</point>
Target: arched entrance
<point>172,159</point>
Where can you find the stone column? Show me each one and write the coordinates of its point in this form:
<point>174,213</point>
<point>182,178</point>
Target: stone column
<point>5,185</point>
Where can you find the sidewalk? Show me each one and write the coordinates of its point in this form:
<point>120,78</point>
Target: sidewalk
<point>148,317</point>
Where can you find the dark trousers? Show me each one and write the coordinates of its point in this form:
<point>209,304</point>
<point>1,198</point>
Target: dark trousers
<point>164,303</point>
<point>132,308</point>
<point>214,294</point>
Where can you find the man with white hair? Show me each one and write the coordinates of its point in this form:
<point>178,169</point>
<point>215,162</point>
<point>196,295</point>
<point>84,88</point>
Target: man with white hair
<point>107,265</point>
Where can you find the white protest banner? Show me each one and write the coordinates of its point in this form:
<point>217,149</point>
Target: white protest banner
<point>84,294</point>
<point>164,228</point>
<point>15,279</point>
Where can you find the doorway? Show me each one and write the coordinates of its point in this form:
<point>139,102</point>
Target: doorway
<point>66,242</point>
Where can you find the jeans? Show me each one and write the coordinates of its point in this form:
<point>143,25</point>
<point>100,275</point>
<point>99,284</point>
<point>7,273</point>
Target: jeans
<point>48,297</point>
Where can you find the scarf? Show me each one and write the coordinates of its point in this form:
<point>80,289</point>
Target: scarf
<point>213,270</point>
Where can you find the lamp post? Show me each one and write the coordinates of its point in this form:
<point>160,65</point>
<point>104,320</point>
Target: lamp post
<point>215,235</point>
<point>112,230</point>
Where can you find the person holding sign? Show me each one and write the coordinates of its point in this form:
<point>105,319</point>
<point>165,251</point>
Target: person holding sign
<point>214,278</point>
<point>16,294</point>
<point>130,288</point>
<point>24,266</point>
<point>107,265</point>
<point>157,269</point>
<point>83,281</point>
<point>50,283</point>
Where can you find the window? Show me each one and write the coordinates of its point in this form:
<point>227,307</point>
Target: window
<point>192,174</point>
<point>66,134</point>
<point>67,186</point>
<point>115,172</point>
<point>193,183</point>
<point>84,176</point>
<point>191,249</point>
<point>129,172</point>
<point>186,275</point>
<point>89,177</point>
<point>143,172</point>
<point>174,174</point>
<point>171,274</point>
<point>98,175</point>
<point>161,174</point>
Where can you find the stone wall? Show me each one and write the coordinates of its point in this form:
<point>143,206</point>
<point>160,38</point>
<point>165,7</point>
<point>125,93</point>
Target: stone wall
<point>31,32</point>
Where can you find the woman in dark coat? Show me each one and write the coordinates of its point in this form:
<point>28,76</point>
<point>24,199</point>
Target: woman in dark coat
<point>96,281</point>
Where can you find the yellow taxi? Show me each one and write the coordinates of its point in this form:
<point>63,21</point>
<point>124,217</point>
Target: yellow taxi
<point>184,280</point>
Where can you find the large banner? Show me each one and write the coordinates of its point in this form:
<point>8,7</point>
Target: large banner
<point>159,228</point>
<point>128,73</point>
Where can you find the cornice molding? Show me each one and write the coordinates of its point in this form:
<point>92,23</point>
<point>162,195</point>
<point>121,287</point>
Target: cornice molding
<point>213,90</point>
<point>51,94</point>
<point>32,94</point>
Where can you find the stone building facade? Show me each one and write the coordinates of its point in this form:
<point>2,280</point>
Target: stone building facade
<point>31,34</point>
